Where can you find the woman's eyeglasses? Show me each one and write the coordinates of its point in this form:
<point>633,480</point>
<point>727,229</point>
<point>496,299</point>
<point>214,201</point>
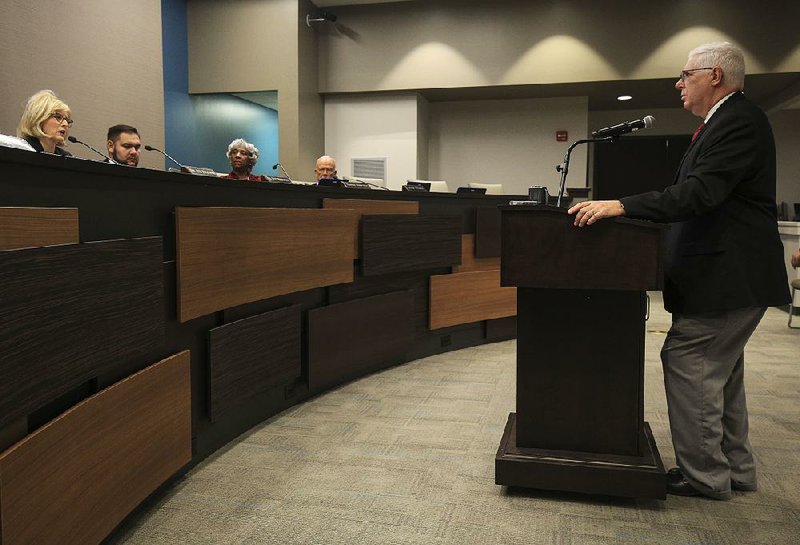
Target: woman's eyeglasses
<point>58,116</point>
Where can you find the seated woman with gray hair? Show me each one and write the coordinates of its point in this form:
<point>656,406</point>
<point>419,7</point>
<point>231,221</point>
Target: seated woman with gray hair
<point>243,156</point>
<point>45,123</point>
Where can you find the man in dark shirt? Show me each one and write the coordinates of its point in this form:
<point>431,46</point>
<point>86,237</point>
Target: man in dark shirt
<point>124,145</point>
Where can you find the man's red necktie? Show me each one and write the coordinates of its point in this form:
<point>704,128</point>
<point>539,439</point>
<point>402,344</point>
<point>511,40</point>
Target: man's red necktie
<point>697,131</point>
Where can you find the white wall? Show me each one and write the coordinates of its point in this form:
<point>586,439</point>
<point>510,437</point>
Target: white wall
<point>512,142</point>
<point>373,126</point>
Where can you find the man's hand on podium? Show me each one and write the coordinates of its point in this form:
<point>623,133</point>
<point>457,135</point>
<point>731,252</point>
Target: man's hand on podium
<point>588,212</point>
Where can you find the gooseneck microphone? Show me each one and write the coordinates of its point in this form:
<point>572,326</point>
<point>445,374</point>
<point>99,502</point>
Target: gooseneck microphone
<point>276,165</point>
<point>625,127</point>
<point>165,154</point>
<point>103,155</point>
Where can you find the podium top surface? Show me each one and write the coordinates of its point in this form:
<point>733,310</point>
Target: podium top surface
<point>542,248</point>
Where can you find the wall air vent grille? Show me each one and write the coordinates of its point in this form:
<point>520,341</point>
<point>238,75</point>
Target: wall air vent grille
<point>370,167</point>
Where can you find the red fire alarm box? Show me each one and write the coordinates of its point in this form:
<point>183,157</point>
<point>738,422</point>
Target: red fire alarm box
<point>561,136</point>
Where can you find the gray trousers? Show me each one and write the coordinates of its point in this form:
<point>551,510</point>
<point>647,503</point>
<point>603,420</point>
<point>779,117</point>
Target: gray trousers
<point>703,360</point>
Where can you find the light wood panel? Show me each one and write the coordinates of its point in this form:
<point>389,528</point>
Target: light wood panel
<point>471,263</point>
<point>231,256</point>
<point>463,298</point>
<point>72,312</point>
<point>249,356</point>
<point>33,227</point>
<point>371,206</point>
<point>75,479</point>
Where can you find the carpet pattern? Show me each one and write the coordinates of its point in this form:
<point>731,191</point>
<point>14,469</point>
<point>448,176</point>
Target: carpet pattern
<point>406,456</point>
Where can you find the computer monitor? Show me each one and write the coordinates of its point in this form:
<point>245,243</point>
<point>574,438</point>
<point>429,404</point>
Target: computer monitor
<point>474,190</point>
<point>329,182</point>
<point>416,186</point>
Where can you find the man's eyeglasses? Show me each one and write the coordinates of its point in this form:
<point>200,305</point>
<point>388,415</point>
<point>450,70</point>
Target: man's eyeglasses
<point>686,73</point>
<point>61,118</point>
<point>241,152</point>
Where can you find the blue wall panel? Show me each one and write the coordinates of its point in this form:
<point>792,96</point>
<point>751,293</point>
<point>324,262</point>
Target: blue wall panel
<point>198,128</point>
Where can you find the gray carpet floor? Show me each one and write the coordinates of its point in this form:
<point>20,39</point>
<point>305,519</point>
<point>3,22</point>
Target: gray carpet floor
<point>406,456</point>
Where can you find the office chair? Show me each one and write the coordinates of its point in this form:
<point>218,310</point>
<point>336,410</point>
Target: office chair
<point>491,189</point>
<point>795,286</point>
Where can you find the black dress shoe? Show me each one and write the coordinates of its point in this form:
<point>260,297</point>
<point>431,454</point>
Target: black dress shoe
<point>678,485</point>
<point>743,487</point>
<point>675,475</point>
<point>681,487</point>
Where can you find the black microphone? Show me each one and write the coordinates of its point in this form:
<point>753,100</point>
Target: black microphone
<point>276,165</point>
<point>103,155</point>
<point>165,154</point>
<point>624,128</point>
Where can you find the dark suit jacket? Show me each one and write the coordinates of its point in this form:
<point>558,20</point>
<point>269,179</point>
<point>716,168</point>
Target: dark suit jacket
<point>723,251</point>
<point>34,142</point>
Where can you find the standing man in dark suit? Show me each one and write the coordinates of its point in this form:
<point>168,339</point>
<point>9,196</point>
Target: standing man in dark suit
<point>723,268</point>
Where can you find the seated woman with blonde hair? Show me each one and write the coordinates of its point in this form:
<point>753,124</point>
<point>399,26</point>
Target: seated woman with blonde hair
<point>243,157</point>
<point>45,123</point>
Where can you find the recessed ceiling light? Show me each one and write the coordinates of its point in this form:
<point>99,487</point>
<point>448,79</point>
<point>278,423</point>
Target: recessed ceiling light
<point>624,97</point>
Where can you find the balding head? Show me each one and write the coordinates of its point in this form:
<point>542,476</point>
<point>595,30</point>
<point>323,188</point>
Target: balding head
<point>325,167</point>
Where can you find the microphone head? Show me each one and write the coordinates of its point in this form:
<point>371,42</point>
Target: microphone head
<point>149,148</point>
<point>72,139</point>
<point>648,121</point>
<point>274,166</point>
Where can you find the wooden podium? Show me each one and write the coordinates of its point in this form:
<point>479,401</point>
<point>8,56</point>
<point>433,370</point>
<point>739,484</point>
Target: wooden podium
<point>581,307</point>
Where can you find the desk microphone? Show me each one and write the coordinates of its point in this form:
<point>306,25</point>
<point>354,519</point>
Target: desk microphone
<point>165,154</point>
<point>370,184</point>
<point>276,165</point>
<point>103,155</point>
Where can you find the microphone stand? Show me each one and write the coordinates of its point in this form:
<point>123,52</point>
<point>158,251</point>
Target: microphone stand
<point>165,154</point>
<point>376,186</point>
<point>563,168</point>
<point>276,165</point>
<point>76,141</point>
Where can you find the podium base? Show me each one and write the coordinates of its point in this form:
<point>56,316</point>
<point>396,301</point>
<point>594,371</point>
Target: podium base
<point>585,472</point>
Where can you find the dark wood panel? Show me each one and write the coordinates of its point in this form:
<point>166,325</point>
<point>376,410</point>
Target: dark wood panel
<point>543,249</point>
<point>581,395</point>
<point>33,227</point>
<point>487,232</point>
<point>370,206</point>
<point>627,476</point>
<point>350,339</point>
<point>71,312</point>
<point>367,286</point>
<point>250,356</point>
<point>501,329</point>
<point>75,479</point>
<point>232,256</point>
<point>397,243</point>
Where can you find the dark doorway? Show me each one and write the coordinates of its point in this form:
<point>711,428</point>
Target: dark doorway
<point>636,164</point>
